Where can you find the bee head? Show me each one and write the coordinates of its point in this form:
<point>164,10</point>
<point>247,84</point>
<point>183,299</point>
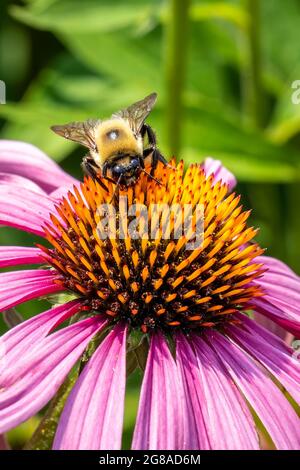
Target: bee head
<point>127,168</point>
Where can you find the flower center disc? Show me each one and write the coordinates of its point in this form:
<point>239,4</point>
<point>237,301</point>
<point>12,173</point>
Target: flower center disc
<point>156,281</point>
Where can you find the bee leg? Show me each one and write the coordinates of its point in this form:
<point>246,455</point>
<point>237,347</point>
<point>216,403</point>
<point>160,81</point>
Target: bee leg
<point>141,160</point>
<point>158,157</point>
<point>147,130</point>
<point>104,173</point>
<point>161,158</point>
<point>89,169</point>
<point>154,162</point>
<point>146,154</point>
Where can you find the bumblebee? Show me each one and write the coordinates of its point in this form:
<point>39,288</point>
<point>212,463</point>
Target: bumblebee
<point>118,147</point>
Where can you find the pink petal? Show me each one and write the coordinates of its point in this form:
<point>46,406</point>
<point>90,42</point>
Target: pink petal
<point>20,340</point>
<point>93,415</point>
<point>274,410</point>
<point>63,191</point>
<point>196,435</point>
<point>26,160</point>
<point>282,313</point>
<point>274,265</point>
<point>18,255</point>
<point>3,443</point>
<point>159,422</point>
<point>24,209</point>
<point>265,334</point>
<point>219,171</point>
<point>226,417</point>
<point>19,286</point>
<point>30,384</point>
<point>15,180</point>
<point>281,364</point>
<point>281,300</point>
<point>273,327</point>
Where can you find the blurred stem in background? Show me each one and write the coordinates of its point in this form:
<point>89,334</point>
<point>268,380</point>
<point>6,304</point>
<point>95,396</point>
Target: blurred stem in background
<point>253,91</point>
<point>266,199</point>
<point>292,205</point>
<point>176,55</point>
<point>263,197</point>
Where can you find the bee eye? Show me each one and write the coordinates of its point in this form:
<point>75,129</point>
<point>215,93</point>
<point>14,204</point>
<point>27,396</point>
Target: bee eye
<point>135,163</point>
<point>113,134</point>
<point>117,170</point>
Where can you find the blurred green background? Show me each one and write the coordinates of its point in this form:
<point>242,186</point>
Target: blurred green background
<point>223,71</point>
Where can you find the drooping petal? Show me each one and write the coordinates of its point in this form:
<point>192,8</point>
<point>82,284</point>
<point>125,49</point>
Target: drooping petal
<point>281,364</point>
<point>24,209</point>
<point>63,191</point>
<point>19,286</point>
<point>93,415</point>
<point>273,327</point>
<point>18,255</point>
<point>159,423</point>
<point>15,180</point>
<point>20,340</point>
<point>274,410</point>
<point>264,333</point>
<point>30,384</point>
<point>226,417</point>
<point>281,300</point>
<point>215,167</point>
<point>274,265</point>
<point>23,159</point>
<point>280,314</point>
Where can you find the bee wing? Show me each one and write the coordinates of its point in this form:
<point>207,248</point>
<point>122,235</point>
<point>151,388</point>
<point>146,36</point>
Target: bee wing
<point>81,132</point>
<point>137,113</point>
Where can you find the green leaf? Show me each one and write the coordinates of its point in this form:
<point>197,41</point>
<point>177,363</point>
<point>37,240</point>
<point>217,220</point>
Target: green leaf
<point>77,16</point>
<point>285,122</point>
<point>31,123</point>
<point>220,11</point>
<point>137,66</point>
<point>18,436</point>
<point>247,167</point>
<point>62,93</point>
<point>281,35</point>
<point>14,67</point>
<point>247,153</point>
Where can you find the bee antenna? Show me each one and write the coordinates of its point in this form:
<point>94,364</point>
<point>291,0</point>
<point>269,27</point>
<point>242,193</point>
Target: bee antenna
<point>152,177</point>
<point>116,189</point>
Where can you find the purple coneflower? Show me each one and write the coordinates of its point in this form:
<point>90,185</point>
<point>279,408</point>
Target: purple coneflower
<point>209,364</point>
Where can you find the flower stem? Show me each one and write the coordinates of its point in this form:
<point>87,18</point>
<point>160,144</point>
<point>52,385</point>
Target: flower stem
<point>253,94</point>
<point>265,198</point>
<point>176,52</point>
<point>44,434</point>
<point>293,223</point>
